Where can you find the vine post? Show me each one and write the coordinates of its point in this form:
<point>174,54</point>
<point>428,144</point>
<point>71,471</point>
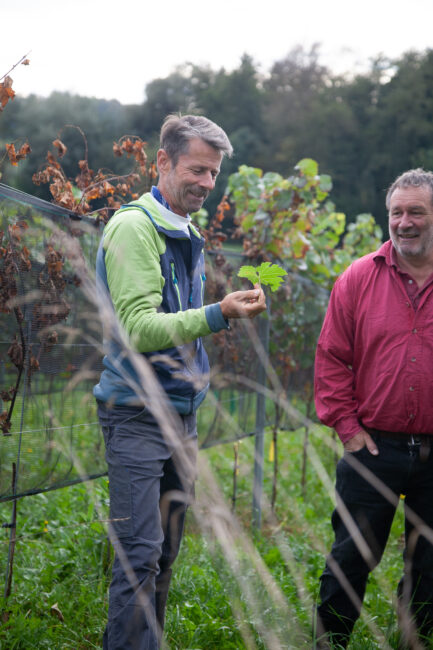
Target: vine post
<point>235,474</point>
<point>263,327</point>
<point>309,399</point>
<point>12,542</point>
<point>275,455</point>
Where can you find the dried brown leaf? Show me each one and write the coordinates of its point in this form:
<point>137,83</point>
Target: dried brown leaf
<point>55,611</point>
<point>6,92</point>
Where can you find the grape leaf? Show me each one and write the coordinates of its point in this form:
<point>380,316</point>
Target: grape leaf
<point>267,273</point>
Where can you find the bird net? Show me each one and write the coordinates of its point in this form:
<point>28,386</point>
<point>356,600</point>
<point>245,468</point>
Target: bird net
<point>49,347</point>
<point>51,356</point>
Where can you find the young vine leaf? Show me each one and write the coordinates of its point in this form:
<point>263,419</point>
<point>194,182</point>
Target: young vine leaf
<point>267,273</point>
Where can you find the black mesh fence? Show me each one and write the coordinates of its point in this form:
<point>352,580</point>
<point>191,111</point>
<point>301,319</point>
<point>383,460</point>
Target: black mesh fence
<point>50,354</point>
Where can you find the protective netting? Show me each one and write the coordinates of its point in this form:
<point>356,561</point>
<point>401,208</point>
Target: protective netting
<point>50,350</point>
<point>49,334</point>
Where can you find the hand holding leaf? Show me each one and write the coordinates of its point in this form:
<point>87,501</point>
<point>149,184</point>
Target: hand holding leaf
<point>267,273</point>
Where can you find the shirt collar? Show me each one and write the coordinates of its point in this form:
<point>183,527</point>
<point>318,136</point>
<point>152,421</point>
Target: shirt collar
<point>158,196</point>
<point>386,252</point>
<point>393,258</point>
<point>178,222</point>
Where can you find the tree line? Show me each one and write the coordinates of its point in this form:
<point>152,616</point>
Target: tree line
<point>363,130</point>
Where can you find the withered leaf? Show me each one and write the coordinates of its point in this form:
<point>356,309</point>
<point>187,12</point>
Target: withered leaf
<point>117,149</point>
<point>15,353</point>
<point>23,151</point>
<point>5,424</point>
<point>7,395</point>
<point>34,363</point>
<point>107,188</point>
<point>61,148</point>
<point>55,611</point>
<point>6,92</point>
<point>10,148</point>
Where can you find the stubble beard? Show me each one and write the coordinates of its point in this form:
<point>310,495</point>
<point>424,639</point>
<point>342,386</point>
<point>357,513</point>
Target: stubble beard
<point>200,196</point>
<point>424,245</point>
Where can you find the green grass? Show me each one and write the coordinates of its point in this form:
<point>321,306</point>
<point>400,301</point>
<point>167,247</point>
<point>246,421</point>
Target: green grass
<point>62,564</point>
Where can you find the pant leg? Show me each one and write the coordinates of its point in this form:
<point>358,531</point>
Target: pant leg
<point>177,492</point>
<point>344,579</point>
<point>136,454</point>
<point>416,587</point>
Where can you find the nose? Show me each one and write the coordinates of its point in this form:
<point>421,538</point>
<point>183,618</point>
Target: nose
<point>207,181</point>
<point>406,220</point>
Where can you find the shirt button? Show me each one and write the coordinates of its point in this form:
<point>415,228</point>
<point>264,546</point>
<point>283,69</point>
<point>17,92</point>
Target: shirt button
<point>413,359</point>
<point>410,281</point>
<point>411,416</point>
<point>414,331</point>
<point>411,388</point>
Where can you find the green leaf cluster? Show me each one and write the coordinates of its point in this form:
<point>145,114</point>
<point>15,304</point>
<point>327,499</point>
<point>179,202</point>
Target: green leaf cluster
<point>293,221</point>
<point>265,274</point>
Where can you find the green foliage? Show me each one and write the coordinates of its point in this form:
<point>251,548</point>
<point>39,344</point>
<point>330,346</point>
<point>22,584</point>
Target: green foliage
<point>201,217</point>
<point>199,613</point>
<point>267,274</point>
<point>293,221</point>
<point>62,558</point>
<point>61,571</point>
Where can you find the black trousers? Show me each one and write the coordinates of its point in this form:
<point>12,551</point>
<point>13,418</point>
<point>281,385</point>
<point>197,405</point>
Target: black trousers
<point>358,547</point>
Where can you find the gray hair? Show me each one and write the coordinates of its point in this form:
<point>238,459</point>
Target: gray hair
<point>411,178</point>
<point>177,131</point>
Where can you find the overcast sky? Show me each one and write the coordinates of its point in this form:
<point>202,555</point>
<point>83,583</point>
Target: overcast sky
<point>112,49</point>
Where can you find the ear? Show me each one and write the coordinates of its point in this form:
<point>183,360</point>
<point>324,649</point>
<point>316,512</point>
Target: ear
<point>163,161</point>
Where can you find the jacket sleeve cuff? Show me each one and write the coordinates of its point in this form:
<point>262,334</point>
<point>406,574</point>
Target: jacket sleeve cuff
<point>215,318</point>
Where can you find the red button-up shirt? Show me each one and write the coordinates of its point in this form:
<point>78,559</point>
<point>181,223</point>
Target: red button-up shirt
<point>374,360</point>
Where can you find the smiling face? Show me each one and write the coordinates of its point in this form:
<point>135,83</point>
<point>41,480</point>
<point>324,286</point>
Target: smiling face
<point>411,223</point>
<point>186,185</point>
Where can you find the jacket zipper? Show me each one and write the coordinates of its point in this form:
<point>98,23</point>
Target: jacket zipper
<point>186,358</point>
<point>176,284</point>
<point>203,280</point>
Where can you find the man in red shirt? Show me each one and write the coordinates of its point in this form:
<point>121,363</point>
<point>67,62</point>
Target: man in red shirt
<point>374,385</point>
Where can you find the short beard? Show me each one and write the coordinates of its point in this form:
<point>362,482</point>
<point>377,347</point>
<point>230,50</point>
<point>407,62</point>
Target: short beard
<point>416,253</point>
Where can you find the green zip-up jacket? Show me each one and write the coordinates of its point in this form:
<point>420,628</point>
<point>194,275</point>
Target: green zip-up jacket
<point>154,277</point>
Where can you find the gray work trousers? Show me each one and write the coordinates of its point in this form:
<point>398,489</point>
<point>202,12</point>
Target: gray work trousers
<point>150,489</point>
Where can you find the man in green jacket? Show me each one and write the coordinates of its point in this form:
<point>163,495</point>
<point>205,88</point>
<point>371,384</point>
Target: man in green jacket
<point>150,268</point>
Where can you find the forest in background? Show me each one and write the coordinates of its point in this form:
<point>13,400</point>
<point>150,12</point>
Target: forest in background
<point>363,130</point>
